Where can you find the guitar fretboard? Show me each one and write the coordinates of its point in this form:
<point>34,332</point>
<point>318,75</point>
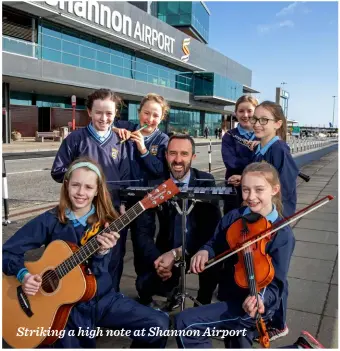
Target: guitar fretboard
<point>93,245</point>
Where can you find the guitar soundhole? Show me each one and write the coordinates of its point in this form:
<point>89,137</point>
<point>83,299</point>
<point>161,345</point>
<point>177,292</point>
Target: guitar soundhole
<point>50,281</point>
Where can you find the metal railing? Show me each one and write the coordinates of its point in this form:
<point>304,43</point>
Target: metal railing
<point>18,46</point>
<point>300,145</point>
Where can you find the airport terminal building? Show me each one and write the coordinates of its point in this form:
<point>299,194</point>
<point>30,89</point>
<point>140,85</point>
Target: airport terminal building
<point>55,49</point>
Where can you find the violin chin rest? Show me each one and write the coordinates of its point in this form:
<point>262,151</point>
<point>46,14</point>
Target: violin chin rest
<point>252,217</point>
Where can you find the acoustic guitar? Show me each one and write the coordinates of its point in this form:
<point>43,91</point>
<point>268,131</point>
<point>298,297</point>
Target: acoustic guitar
<point>65,281</point>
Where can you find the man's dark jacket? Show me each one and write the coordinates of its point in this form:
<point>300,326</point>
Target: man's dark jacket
<point>203,218</point>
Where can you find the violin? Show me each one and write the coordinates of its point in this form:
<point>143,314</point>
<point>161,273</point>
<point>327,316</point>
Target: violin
<point>247,239</point>
<point>248,275</point>
<point>254,269</point>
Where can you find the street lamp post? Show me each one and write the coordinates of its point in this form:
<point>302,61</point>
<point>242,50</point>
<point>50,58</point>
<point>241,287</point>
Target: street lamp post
<point>334,96</point>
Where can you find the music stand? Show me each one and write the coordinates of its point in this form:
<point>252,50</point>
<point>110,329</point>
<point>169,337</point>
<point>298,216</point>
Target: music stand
<point>181,263</point>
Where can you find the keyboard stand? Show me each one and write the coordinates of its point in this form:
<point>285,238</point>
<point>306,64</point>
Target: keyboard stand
<point>184,211</point>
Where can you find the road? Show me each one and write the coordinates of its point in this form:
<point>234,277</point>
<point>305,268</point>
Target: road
<point>30,182</point>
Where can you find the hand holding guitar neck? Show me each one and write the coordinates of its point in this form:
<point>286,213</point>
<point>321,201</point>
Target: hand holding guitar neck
<point>140,129</point>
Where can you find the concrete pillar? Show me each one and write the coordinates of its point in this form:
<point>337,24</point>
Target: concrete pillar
<point>6,114</point>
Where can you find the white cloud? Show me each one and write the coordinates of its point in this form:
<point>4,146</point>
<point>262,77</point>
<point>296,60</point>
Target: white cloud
<point>297,6</point>
<point>288,10</point>
<point>287,23</point>
<point>265,28</point>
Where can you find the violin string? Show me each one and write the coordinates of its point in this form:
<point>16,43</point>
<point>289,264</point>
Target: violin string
<point>285,222</point>
<point>248,258</point>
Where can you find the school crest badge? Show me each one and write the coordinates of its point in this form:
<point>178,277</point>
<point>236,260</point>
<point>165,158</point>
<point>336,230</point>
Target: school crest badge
<point>154,149</point>
<point>114,153</point>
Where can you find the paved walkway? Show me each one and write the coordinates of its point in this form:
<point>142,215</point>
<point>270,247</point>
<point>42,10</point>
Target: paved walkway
<point>313,274</point>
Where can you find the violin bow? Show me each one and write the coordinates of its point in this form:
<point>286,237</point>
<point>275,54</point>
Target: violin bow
<point>281,224</point>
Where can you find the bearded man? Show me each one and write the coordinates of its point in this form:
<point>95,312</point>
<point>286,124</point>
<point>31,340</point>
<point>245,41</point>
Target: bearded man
<point>156,272</point>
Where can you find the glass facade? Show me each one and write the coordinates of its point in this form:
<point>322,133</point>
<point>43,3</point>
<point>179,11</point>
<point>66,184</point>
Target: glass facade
<point>19,98</point>
<point>200,19</point>
<point>64,45</point>
<point>212,84</point>
<point>133,112</point>
<point>74,48</point>
<point>184,121</point>
<point>185,14</point>
<point>40,100</point>
<point>213,121</point>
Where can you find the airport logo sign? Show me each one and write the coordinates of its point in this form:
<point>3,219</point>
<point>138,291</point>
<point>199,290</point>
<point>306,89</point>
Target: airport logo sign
<point>185,49</point>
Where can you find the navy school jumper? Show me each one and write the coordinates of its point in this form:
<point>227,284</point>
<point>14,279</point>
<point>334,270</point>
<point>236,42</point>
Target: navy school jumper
<point>149,168</point>
<point>235,157</point>
<point>107,309</point>
<point>229,313</point>
<point>278,155</point>
<point>110,154</point>
<point>113,158</point>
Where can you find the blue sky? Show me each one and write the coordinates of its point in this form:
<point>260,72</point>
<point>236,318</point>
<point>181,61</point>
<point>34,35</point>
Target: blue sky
<point>293,42</point>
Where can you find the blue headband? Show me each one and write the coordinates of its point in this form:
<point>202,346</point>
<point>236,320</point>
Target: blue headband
<point>89,165</point>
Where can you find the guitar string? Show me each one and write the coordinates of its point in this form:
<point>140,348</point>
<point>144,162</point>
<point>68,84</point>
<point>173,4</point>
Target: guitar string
<point>92,241</point>
<point>130,211</point>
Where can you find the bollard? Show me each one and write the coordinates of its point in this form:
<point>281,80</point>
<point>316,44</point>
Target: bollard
<point>5,193</point>
<point>209,153</point>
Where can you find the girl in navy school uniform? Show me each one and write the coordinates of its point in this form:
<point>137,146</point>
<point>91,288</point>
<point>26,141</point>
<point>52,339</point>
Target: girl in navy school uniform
<point>235,155</point>
<point>84,200</point>
<point>270,127</point>
<point>147,147</point>
<point>236,311</point>
<point>147,156</point>
<point>102,145</point>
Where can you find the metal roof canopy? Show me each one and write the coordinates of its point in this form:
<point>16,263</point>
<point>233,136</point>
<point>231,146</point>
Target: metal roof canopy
<point>247,89</point>
<point>215,100</point>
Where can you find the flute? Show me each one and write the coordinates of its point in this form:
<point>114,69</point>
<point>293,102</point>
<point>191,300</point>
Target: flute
<point>242,141</point>
<point>245,142</point>
<point>144,126</point>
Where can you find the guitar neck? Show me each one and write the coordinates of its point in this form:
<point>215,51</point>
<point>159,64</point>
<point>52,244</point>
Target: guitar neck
<point>92,246</point>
